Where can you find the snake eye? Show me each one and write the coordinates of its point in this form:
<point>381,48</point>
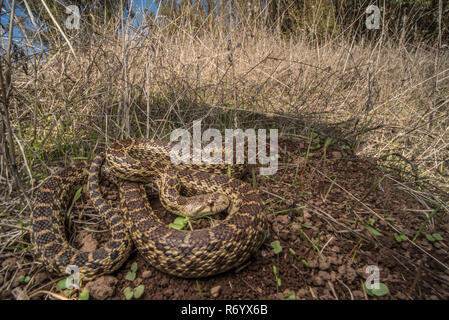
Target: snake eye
<point>211,203</point>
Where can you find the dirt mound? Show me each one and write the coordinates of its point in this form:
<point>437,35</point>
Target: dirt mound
<point>331,215</point>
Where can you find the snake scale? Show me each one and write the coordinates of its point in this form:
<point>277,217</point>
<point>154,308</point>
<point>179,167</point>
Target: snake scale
<point>131,163</point>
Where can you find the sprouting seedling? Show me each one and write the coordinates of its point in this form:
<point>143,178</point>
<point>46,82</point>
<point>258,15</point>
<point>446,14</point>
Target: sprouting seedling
<point>278,280</point>
<point>434,212</point>
<point>400,237</point>
<point>84,295</point>
<point>373,187</point>
<point>304,261</point>
<point>379,290</point>
<point>131,275</point>
<point>199,290</point>
<point>434,237</point>
<point>290,296</point>
<point>136,293</point>
<point>24,279</point>
<point>276,245</point>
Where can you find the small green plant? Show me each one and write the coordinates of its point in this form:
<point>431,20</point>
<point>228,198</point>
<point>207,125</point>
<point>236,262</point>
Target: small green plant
<point>434,212</point>
<point>276,275</point>
<point>372,230</point>
<point>131,275</point>
<point>136,293</point>
<point>276,245</point>
<point>380,291</point>
<point>199,290</point>
<point>400,237</point>
<point>293,252</point>
<point>180,223</point>
<point>290,296</point>
<point>24,279</point>
<point>434,237</point>
<point>84,295</point>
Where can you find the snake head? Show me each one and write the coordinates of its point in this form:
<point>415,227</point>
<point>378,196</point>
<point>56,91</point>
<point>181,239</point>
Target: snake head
<point>206,204</point>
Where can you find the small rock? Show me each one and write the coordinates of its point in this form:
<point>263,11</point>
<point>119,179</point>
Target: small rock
<point>301,293</point>
<point>336,154</point>
<point>284,219</point>
<point>40,277</point>
<point>168,292</point>
<point>284,235</point>
<point>324,265</point>
<point>147,274</point>
<point>324,275</point>
<point>9,262</point>
<point>102,288</point>
<point>318,281</point>
<point>215,291</point>
<point>313,264</point>
<point>358,294</point>
<point>88,243</point>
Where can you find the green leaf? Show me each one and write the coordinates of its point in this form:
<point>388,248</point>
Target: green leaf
<point>305,262</point>
<point>371,221</point>
<point>21,278</point>
<point>75,198</point>
<point>62,284</point>
<point>379,292</point>
<point>437,237</point>
<point>277,248</point>
<point>179,223</point>
<point>430,237</point>
<point>27,279</point>
<point>279,282</point>
<point>128,293</point>
<point>275,270</point>
<point>290,296</point>
<point>307,226</point>
<point>372,230</point>
<point>134,267</point>
<point>391,219</point>
<point>138,292</point>
<point>131,276</point>
<point>84,295</point>
<point>400,237</point>
<point>293,252</point>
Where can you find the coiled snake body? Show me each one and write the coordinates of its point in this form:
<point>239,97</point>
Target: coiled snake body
<point>196,253</point>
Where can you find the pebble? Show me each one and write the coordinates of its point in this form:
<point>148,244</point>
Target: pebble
<point>9,262</point>
<point>215,291</point>
<point>324,265</point>
<point>336,154</point>
<point>284,219</point>
<point>102,287</point>
<point>147,274</point>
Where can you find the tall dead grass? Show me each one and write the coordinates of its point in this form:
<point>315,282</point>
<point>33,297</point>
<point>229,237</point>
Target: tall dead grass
<point>379,96</point>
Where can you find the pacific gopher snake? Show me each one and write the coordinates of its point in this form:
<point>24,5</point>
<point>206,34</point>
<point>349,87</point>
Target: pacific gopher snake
<point>196,253</point>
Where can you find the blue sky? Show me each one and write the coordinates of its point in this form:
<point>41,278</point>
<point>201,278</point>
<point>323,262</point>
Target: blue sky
<point>138,5</point>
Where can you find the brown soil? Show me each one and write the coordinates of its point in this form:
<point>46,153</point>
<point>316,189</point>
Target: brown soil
<point>312,210</point>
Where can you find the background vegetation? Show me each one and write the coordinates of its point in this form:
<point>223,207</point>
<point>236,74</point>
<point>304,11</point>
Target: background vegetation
<point>304,67</point>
